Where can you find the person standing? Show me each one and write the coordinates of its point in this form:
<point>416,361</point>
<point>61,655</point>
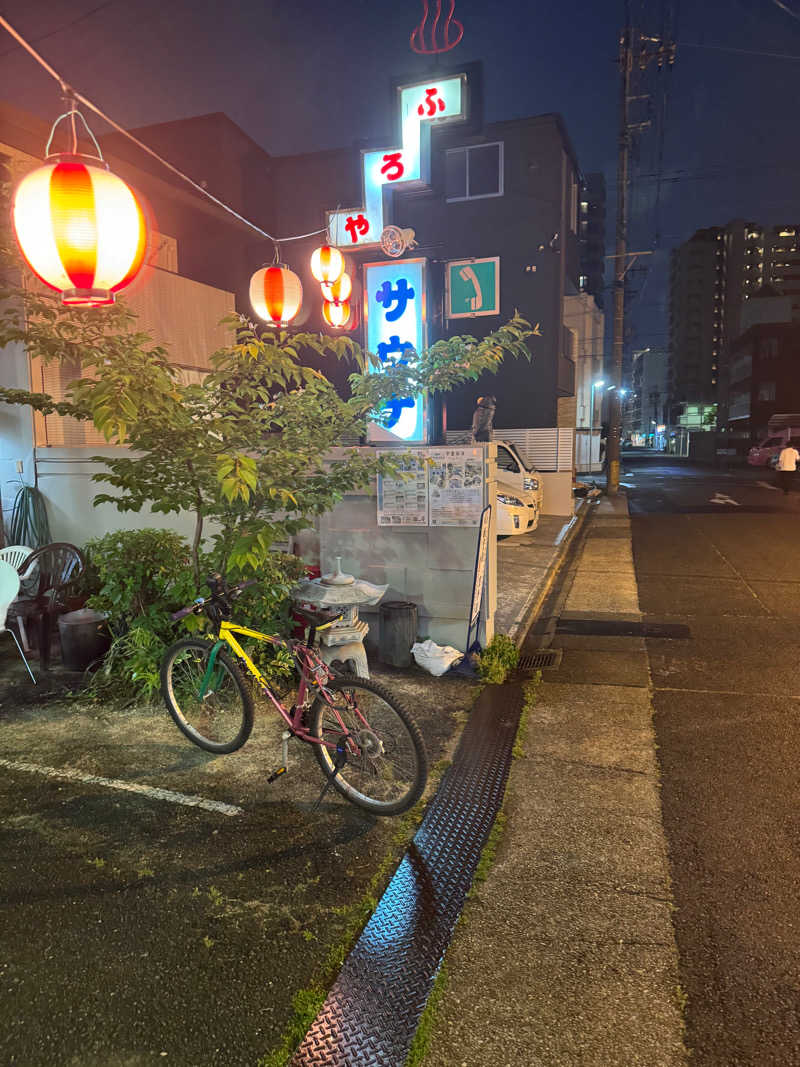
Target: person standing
<point>483,419</point>
<point>787,466</point>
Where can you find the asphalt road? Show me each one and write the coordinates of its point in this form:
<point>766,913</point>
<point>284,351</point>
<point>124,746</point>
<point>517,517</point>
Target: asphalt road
<point>720,552</point>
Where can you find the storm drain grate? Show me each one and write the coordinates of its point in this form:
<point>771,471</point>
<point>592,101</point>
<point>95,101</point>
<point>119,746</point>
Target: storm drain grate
<point>373,1010</point>
<point>546,657</point>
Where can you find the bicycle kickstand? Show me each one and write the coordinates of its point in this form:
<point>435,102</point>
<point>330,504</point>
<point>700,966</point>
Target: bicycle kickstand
<point>339,761</point>
<point>284,767</point>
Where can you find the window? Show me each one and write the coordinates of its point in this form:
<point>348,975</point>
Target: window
<point>766,391</point>
<point>474,173</point>
<point>505,461</point>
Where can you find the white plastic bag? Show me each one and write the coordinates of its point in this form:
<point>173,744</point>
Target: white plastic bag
<point>433,658</point>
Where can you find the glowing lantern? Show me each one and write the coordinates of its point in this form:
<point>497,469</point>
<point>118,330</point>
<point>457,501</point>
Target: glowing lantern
<point>276,294</point>
<point>338,291</point>
<point>336,314</point>
<point>81,230</point>
<point>327,264</point>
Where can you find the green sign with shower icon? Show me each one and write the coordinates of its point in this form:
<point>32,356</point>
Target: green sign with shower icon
<point>473,287</point>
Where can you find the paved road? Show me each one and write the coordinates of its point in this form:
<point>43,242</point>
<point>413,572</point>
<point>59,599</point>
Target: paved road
<point>720,553</point>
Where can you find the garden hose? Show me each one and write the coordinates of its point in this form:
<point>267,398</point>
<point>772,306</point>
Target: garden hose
<point>29,525</point>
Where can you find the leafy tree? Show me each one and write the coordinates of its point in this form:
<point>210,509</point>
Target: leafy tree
<point>252,451</point>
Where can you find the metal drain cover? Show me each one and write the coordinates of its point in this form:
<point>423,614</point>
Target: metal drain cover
<point>545,657</point>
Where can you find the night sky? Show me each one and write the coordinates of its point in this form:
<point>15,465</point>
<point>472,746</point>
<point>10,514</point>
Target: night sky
<point>300,76</point>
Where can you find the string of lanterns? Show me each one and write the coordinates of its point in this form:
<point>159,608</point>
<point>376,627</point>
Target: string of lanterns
<point>82,230</point>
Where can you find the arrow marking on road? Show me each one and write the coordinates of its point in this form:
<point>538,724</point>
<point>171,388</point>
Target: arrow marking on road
<point>721,498</point>
<point>766,485</point>
<point>149,791</point>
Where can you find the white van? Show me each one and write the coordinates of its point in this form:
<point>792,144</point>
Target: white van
<point>512,471</point>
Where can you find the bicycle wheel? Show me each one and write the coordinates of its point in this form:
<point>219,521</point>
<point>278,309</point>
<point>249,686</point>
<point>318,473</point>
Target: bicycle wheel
<point>215,713</point>
<point>386,766</point>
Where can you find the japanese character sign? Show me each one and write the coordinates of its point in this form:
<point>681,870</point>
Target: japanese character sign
<point>356,227</point>
<point>399,297</point>
<point>393,169</point>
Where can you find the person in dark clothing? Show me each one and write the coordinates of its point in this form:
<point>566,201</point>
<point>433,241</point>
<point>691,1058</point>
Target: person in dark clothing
<point>483,419</point>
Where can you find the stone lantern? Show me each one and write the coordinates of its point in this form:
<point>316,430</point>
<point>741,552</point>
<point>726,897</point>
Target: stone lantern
<point>344,639</point>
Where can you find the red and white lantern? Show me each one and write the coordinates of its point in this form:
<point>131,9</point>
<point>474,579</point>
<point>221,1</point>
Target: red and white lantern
<point>338,291</point>
<point>336,314</point>
<point>327,264</point>
<point>276,294</point>
<point>81,230</point>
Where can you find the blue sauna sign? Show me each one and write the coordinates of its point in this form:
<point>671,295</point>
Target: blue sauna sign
<point>395,312</point>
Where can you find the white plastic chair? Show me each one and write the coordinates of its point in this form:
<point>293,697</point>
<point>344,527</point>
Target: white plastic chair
<point>16,556</point>
<point>9,587</point>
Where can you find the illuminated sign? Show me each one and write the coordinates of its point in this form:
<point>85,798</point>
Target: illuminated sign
<point>473,287</point>
<point>422,106</point>
<point>396,315</point>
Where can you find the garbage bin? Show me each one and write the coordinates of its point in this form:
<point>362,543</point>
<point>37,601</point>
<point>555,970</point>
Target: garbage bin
<point>84,638</point>
<point>398,632</point>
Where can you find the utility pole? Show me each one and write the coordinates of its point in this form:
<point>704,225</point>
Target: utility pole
<point>635,52</point>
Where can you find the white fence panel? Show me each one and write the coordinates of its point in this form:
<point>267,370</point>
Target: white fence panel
<point>548,449</point>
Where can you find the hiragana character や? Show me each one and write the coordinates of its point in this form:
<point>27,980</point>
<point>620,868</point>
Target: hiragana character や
<point>390,414</point>
<point>392,162</point>
<point>359,224</point>
<point>387,296</point>
<point>386,348</point>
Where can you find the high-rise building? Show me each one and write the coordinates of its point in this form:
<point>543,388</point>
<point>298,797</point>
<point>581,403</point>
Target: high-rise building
<point>713,275</point>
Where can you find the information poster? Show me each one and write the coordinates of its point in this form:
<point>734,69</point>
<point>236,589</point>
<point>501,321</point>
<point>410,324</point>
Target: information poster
<point>404,501</point>
<point>455,486</point>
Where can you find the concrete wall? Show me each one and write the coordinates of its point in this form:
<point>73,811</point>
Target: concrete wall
<point>432,567</point>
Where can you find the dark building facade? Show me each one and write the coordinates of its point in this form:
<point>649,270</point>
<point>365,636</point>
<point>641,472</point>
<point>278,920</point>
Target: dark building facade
<point>593,237</point>
<point>764,377</point>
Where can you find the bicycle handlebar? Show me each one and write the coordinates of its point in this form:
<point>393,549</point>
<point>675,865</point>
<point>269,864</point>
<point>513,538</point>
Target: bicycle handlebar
<point>201,602</point>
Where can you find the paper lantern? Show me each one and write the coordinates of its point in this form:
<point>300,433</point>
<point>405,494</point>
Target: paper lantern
<point>276,294</point>
<point>81,230</point>
<point>336,314</point>
<point>338,291</point>
<point>327,264</point>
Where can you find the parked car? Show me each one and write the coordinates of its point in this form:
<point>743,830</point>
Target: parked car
<point>760,454</point>
<point>517,510</point>
<point>513,471</point>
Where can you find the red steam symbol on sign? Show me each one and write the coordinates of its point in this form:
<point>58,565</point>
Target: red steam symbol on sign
<point>436,34</point>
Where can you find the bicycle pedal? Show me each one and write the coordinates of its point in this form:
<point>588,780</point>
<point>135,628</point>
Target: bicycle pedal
<point>276,774</point>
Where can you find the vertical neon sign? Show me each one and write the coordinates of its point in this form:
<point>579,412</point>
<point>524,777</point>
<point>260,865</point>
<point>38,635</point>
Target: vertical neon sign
<point>395,309</point>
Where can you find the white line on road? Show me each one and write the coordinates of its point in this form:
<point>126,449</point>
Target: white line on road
<point>129,787</point>
<point>766,485</point>
<point>721,498</point>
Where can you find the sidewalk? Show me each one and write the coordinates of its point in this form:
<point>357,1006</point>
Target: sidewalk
<point>566,954</point>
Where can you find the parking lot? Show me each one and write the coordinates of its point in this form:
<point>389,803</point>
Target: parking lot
<point>159,902</point>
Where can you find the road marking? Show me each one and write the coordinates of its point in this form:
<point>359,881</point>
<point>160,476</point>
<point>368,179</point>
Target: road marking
<point>766,485</point>
<point>129,787</point>
<point>721,498</point>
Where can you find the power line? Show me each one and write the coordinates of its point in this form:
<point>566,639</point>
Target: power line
<point>71,93</point>
<point>66,26</point>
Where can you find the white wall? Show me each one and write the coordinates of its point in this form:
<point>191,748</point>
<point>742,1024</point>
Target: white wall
<point>16,427</point>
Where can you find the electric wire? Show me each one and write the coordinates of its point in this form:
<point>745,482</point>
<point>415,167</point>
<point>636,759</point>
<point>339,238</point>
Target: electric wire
<point>72,93</point>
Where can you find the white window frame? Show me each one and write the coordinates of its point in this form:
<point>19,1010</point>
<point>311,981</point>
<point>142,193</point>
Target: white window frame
<point>466,149</point>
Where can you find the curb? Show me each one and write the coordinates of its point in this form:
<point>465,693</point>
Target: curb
<point>532,606</point>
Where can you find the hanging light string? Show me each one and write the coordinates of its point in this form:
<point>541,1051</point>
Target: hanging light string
<point>74,95</point>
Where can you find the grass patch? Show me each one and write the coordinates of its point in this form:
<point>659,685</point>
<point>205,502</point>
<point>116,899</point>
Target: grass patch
<point>422,1038</point>
<point>529,697</point>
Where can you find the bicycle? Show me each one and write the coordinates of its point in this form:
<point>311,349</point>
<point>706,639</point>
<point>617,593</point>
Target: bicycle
<point>367,744</point>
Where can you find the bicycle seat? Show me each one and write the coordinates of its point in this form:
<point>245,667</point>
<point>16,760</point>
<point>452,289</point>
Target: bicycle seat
<point>318,616</point>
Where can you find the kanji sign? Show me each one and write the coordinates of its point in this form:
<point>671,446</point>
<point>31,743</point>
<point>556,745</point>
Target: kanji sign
<point>473,288</point>
<point>395,314</point>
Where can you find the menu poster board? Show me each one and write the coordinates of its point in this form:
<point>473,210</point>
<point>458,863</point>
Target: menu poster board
<point>456,479</point>
<point>404,501</point>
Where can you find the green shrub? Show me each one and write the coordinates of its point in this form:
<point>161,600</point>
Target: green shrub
<point>140,577</point>
<point>498,659</point>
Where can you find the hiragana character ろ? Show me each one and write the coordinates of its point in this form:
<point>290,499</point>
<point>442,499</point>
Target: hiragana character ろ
<point>392,162</point>
<point>401,295</point>
<point>356,226</point>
